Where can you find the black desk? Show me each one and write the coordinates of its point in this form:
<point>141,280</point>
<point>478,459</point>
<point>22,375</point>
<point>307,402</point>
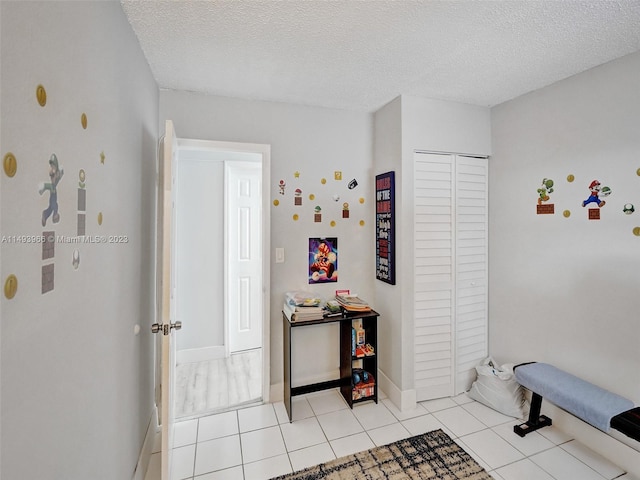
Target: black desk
<point>345,382</point>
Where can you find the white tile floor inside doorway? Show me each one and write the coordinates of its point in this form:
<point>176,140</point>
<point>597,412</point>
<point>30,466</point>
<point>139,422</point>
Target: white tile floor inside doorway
<point>258,443</point>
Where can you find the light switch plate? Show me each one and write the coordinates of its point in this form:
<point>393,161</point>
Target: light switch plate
<point>279,255</point>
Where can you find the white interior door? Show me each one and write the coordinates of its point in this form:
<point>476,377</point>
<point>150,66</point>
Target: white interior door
<point>244,255</point>
<point>166,213</point>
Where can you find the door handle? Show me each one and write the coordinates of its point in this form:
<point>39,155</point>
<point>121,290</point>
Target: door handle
<point>165,328</point>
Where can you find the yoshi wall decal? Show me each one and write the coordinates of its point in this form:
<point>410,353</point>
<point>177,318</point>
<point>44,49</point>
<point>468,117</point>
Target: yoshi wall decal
<point>544,194</point>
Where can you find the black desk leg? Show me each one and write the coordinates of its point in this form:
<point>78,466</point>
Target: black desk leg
<point>287,366</point>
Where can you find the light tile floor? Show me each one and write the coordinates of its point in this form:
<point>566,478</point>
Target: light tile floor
<point>257,443</point>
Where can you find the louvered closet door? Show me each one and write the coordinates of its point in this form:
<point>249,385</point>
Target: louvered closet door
<point>450,252</point>
<point>471,257</point>
<point>434,279</point>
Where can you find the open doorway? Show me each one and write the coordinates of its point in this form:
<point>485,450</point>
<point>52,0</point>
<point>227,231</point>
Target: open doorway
<point>221,274</point>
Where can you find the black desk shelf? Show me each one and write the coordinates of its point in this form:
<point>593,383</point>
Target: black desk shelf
<point>345,382</point>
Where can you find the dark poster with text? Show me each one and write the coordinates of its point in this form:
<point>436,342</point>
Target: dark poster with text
<point>385,228</point>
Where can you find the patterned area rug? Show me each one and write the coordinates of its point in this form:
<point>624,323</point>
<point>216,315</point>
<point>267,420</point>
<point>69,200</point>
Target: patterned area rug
<point>429,456</point>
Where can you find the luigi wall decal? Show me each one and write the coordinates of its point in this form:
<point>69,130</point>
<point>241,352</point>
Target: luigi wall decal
<point>55,175</point>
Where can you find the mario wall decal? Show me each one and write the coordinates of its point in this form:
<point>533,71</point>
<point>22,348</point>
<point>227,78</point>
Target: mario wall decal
<point>596,190</point>
<point>594,197</point>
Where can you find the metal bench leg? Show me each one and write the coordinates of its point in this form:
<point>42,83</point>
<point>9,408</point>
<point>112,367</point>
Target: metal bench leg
<point>535,421</point>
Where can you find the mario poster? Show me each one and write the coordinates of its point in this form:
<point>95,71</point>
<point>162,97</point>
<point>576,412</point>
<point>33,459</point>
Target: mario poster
<point>323,260</point>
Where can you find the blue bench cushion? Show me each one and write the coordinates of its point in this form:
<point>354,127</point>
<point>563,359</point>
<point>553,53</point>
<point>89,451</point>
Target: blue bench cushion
<point>592,404</point>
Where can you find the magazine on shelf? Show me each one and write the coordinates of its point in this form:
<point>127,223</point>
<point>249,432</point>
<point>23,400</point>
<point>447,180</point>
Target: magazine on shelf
<point>353,303</point>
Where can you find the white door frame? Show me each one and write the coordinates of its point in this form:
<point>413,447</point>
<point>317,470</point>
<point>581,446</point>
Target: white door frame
<point>265,152</point>
<point>166,282</point>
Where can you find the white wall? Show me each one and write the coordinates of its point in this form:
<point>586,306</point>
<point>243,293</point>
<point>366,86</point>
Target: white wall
<point>77,384</point>
<point>388,298</point>
<point>314,142</point>
<point>565,290</point>
<point>199,252</point>
<point>403,126</point>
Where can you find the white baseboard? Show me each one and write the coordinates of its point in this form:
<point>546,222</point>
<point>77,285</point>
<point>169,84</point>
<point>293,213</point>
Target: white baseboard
<point>147,447</point>
<point>402,399</point>
<point>194,355</point>
<point>276,393</point>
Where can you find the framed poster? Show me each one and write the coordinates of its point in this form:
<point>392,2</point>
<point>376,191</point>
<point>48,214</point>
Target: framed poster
<point>323,260</point>
<point>385,228</point>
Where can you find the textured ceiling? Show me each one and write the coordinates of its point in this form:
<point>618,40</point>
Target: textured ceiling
<point>361,54</point>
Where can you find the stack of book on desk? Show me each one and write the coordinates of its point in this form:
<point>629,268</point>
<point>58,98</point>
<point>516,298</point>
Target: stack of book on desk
<point>302,306</point>
<point>301,314</point>
<point>353,303</point>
